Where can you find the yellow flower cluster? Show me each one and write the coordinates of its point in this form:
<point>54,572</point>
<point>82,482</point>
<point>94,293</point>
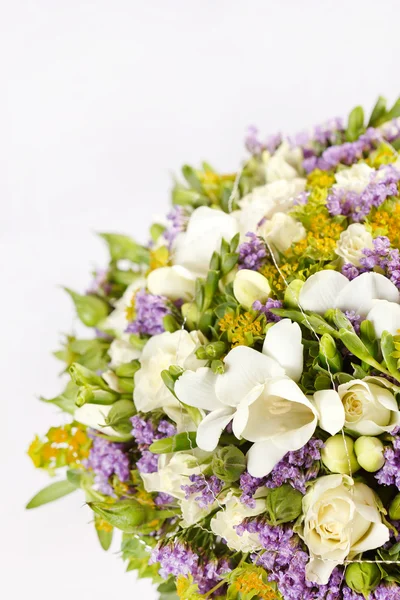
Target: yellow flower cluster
<point>252,582</point>
<point>239,327</point>
<point>322,235</point>
<point>320,179</point>
<point>159,257</point>
<point>67,445</point>
<point>275,279</point>
<point>387,222</point>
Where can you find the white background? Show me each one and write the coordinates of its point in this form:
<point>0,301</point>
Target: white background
<point>100,102</point>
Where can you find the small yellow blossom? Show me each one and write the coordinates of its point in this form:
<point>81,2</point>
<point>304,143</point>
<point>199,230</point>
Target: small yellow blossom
<point>320,179</point>
<point>67,445</point>
<point>159,257</point>
<point>238,327</point>
<point>387,222</point>
<point>102,525</point>
<point>252,582</point>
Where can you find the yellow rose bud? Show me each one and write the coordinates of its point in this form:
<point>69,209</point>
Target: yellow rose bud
<point>338,455</point>
<point>369,452</point>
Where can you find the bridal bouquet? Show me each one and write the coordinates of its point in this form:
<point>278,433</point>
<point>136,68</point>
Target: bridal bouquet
<point>234,411</point>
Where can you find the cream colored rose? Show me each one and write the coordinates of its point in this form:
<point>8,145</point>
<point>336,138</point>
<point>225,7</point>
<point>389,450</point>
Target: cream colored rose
<point>225,522</point>
<point>370,407</point>
<point>351,243</point>
<point>341,519</point>
<point>159,353</point>
<point>286,163</point>
<point>282,231</point>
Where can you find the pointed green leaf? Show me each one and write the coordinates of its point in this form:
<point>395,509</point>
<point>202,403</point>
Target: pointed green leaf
<point>387,347</point>
<point>176,443</point>
<point>66,400</point>
<point>122,247</point>
<point>51,492</point>
<point>90,309</point>
<point>105,538</point>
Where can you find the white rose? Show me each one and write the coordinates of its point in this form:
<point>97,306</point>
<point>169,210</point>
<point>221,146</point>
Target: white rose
<point>355,178</point>
<point>159,353</point>
<point>340,520</point>
<point>370,407</point>
<point>225,522</point>
<point>285,163</point>
<point>121,352</point>
<point>351,243</point>
<point>116,320</point>
<point>206,228</point>
<point>94,416</point>
<point>282,231</point>
<point>265,200</point>
<point>175,283</point>
<point>249,286</point>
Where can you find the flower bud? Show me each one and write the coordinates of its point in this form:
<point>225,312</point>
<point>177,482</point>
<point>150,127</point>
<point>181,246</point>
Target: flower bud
<point>328,353</point>
<point>284,504</point>
<point>128,369</point>
<point>173,282</point>
<point>218,367</point>
<point>80,375</point>
<point>292,293</point>
<point>369,452</point>
<point>210,288</point>
<point>394,508</point>
<point>363,578</point>
<point>228,463</point>
<point>338,455</point>
<point>119,415</point>
<point>88,395</point>
<point>191,314</point>
<point>250,286</point>
<point>170,323</point>
<point>215,349</point>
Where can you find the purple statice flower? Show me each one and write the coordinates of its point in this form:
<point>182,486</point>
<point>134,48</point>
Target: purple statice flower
<point>145,433</point>
<point>148,463</point>
<point>150,311</point>
<point>384,257</point>
<point>354,319</point>
<point>385,591</point>
<point>350,271</point>
<point>393,267</point>
<point>177,558</point>
<point>107,459</point>
<point>208,489</point>
<point>286,562</point>
<point>252,141</point>
<point>177,221</point>
<point>252,253</point>
<point>266,309</point>
<point>162,499</point>
<point>390,472</point>
<point>296,467</point>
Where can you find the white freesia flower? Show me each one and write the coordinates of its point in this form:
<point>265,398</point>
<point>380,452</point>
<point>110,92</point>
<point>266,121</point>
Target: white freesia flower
<point>351,243</point>
<point>121,351</point>
<point>285,163</point>
<point>175,283</point>
<point>370,407</point>
<point>385,316</point>
<point>173,472</point>
<point>94,415</point>
<point>206,228</point>
<point>341,519</point>
<point>225,522</point>
<point>159,353</point>
<point>264,201</point>
<point>116,320</point>
<point>355,178</point>
<point>330,289</point>
<point>249,286</point>
<point>282,231</point>
<point>259,395</point>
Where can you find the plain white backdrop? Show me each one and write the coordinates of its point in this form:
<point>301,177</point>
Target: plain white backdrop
<point>100,102</point>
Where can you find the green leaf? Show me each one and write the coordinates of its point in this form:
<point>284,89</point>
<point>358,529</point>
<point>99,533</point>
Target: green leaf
<point>105,538</point>
<point>51,492</point>
<point>122,247</point>
<point>378,112</point>
<point>176,443</point>
<point>128,515</point>
<point>66,400</point>
<point>394,112</point>
<point>355,126</point>
<point>90,309</point>
<point>191,177</point>
<point>387,347</point>
<point>74,476</point>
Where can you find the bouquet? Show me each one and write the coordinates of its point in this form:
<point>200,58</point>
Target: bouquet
<point>235,411</point>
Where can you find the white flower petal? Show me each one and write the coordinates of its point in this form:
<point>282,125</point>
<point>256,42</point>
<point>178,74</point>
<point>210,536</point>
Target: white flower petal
<point>378,534</point>
<point>245,368</point>
<point>175,283</point>
<point>320,291</point>
<point>360,293</point>
<point>385,316</point>
<point>319,571</point>
<point>262,458</point>
<point>211,427</point>
<point>283,344</point>
<point>330,410</point>
<point>197,388</point>
<point>94,415</point>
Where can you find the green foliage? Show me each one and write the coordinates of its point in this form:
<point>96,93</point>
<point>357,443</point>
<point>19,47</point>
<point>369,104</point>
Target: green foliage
<point>91,353</point>
<point>122,247</point>
<point>355,125</point>
<point>66,400</point>
<point>283,504</point>
<point>128,515</point>
<point>90,309</point>
<point>52,492</point>
<point>176,443</point>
